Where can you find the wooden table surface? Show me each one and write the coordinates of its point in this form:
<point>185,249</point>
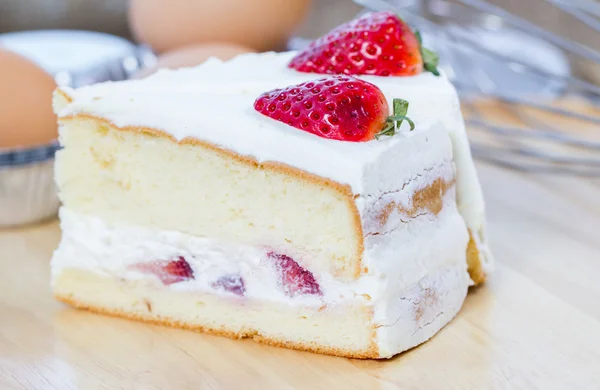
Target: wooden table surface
<point>534,325</point>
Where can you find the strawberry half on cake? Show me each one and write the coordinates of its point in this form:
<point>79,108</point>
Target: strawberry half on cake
<point>321,200</point>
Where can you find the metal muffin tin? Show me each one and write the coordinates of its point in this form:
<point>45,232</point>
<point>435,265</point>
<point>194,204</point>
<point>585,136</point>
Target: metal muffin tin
<point>75,59</point>
<point>27,190</point>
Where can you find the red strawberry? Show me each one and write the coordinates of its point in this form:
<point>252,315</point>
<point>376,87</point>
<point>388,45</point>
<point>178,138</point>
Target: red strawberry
<point>232,283</point>
<point>379,43</point>
<point>168,271</point>
<point>336,107</point>
<point>294,279</point>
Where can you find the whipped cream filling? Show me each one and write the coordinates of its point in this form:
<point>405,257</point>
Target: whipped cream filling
<point>214,102</point>
<point>396,261</point>
<point>414,291</point>
<point>89,242</point>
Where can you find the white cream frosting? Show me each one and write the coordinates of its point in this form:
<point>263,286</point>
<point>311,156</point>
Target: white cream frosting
<point>214,102</point>
<point>421,311</point>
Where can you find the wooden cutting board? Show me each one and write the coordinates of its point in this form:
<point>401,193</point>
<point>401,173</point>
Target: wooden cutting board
<point>534,325</point>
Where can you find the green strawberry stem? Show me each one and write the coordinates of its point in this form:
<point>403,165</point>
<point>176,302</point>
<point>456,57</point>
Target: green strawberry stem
<point>430,58</point>
<point>394,121</point>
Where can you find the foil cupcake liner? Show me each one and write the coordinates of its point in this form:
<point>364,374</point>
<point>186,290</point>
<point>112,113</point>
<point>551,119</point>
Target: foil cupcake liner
<point>78,58</point>
<point>27,188</point>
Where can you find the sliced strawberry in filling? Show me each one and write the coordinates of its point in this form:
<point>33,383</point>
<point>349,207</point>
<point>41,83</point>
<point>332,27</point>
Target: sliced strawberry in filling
<point>168,271</point>
<point>232,283</point>
<point>294,279</point>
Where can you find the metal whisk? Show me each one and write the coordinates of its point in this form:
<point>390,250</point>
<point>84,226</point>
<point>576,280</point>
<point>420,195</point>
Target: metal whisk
<point>504,64</point>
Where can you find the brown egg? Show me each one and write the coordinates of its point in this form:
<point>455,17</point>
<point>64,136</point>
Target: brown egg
<point>26,116</point>
<point>194,55</point>
<point>260,24</point>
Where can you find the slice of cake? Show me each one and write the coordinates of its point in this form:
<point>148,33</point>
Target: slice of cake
<point>255,198</point>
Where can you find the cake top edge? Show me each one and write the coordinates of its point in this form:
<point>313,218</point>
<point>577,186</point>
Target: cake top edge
<point>214,101</point>
<point>249,71</point>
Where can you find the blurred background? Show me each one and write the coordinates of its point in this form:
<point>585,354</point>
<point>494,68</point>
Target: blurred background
<point>111,16</point>
<point>527,72</point>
